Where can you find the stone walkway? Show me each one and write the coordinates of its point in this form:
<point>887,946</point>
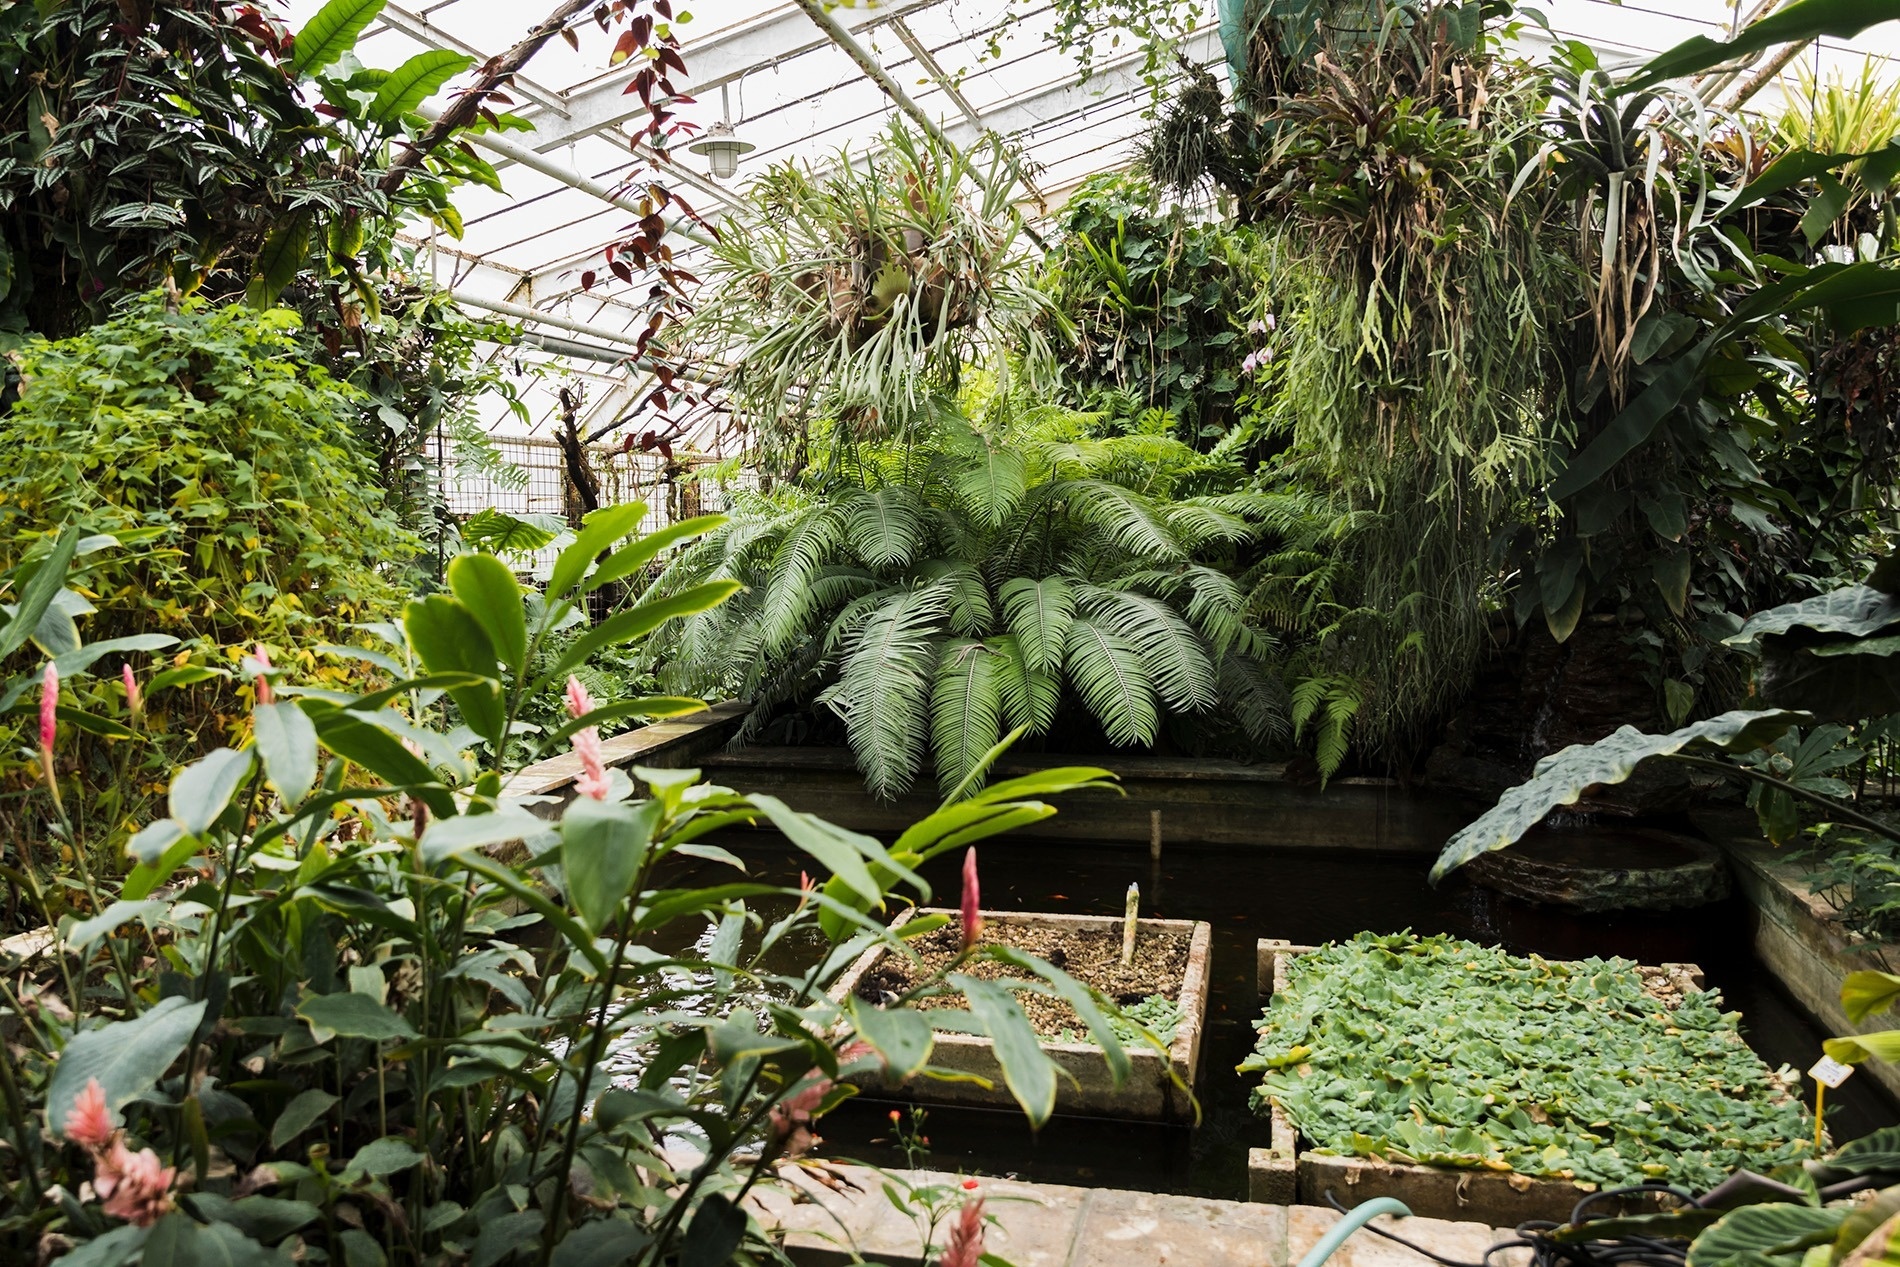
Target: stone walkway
<point>1048,1225</point>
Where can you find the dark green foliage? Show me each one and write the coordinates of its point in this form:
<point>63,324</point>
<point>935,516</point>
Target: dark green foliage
<point>1444,1052</point>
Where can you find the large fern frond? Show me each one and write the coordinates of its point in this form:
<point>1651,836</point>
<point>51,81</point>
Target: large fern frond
<point>883,688</point>
<point>1132,523</point>
<point>966,710</point>
<point>1255,698</point>
<point>788,605</point>
<point>1171,651</point>
<point>1109,676</point>
<point>886,526</point>
<point>971,611</point>
<point>1030,696</point>
<point>992,482</point>
<point>1038,613</point>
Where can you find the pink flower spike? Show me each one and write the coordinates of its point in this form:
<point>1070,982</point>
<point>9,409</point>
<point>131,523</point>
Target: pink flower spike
<point>593,779</point>
<point>1252,363</point>
<point>136,1186</point>
<point>579,702</point>
<point>134,702</point>
<point>966,1238</point>
<point>89,1124</point>
<point>264,693</point>
<point>49,702</point>
<point>1269,323</point>
<point>972,916</point>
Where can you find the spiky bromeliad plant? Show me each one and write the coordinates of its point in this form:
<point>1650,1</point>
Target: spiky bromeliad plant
<point>865,290</point>
<point>931,595</point>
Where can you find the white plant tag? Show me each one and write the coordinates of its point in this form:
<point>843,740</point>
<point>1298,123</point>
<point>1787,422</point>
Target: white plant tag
<point>1830,1072</point>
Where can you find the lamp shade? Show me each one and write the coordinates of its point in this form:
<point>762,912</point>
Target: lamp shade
<point>722,148</point>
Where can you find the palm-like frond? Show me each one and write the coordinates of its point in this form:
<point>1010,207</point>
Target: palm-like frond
<point>971,612</point>
<point>1131,522</point>
<point>992,483</point>
<point>786,609</point>
<point>966,710</point>
<point>1172,654</point>
<point>885,682</point>
<point>886,526</point>
<point>1038,613</point>
<point>1109,676</point>
<point>1030,696</point>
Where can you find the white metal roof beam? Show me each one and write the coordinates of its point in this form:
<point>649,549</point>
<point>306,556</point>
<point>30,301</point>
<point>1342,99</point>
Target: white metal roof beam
<point>420,29</point>
<point>717,60</point>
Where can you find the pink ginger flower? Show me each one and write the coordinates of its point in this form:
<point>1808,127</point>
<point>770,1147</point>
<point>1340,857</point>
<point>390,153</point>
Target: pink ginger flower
<point>593,781</point>
<point>134,701</point>
<point>133,1186</point>
<point>89,1124</point>
<point>972,916</point>
<point>264,693</point>
<point>966,1238</point>
<point>791,1118</point>
<point>49,703</point>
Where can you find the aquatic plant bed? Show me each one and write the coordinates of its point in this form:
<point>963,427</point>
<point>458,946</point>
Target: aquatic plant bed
<point>1472,1083</point>
<point>1165,988</point>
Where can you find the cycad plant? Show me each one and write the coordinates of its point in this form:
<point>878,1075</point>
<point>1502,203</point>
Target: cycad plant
<point>863,290</point>
<point>933,595</point>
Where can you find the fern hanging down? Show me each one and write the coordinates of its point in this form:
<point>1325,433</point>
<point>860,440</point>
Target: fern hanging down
<point>935,596</point>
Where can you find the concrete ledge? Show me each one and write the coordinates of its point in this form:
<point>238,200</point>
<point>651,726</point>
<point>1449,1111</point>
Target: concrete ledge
<point>1049,1225</point>
<point>1150,1092</point>
<point>1797,935</point>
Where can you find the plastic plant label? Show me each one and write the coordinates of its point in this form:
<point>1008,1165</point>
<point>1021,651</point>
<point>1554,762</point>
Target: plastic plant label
<point>1830,1072</point>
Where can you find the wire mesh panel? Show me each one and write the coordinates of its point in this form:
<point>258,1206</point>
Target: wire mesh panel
<point>668,488</point>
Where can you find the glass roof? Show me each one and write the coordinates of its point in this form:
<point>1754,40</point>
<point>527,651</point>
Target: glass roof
<point>786,88</point>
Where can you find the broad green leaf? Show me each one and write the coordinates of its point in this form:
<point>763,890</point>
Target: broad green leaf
<point>1634,425</point>
<point>37,595</point>
<point>285,252</point>
<point>493,596</point>
<point>1764,1229</point>
<point>111,1249</point>
<point>603,846</point>
<point>81,934</point>
<point>1797,22</point>
<point>1853,1049</point>
<point>449,639</point>
<point>1878,1150</point>
<point>1077,996</point>
<point>299,1115</point>
<point>352,1015</point>
<point>599,530</point>
<point>382,1158</point>
<point>624,626</point>
<point>900,1036</point>
<point>331,33</point>
<point>161,849</point>
<point>264,1219</point>
<point>607,1242</point>
<point>287,741</point>
<point>349,736</point>
<point>127,1057</point>
<point>1859,610</point>
<point>202,791</point>
<point>1027,1069</point>
<point>509,821</point>
<point>1562,778</point>
<point>500,1238</point>
<point>840,852</point>
<point>1864,993</point>
<point>491,529</point>
<point>179,1241</point>
<point>414,82</point>
<point>631,558</point>
<point>713,1236</point>
<point>73,663</point>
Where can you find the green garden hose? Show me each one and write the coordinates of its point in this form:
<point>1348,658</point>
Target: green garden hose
<point>1354,1219</point>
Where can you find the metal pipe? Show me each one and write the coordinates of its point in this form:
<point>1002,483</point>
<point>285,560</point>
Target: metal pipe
<point>520,313</point>
<point>892,89</point>
<point>1355,1218</point>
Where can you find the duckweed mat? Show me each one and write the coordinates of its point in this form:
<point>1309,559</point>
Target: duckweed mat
<point>1442,1052</point>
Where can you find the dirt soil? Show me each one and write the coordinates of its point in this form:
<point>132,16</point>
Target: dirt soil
<point>1090,955</point>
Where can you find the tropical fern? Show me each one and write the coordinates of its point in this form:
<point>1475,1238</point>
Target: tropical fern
<point>932,594</point>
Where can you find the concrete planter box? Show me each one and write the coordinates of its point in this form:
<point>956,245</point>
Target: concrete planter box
<point>1149,1092</point>
<point>1288,1174</point>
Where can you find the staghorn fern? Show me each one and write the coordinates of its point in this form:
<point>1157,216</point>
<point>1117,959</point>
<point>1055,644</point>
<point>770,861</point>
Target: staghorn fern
<point>932,595</point>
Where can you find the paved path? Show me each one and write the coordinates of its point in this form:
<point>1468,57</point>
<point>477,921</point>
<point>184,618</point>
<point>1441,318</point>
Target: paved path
<point>1048,1225</point>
